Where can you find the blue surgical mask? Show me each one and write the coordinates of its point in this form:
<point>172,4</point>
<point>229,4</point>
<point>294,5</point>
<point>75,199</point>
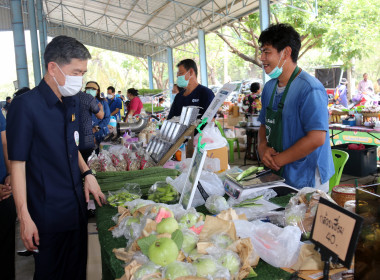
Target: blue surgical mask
<point>181,81</point>
<point>91,92</point>
<point>276,72</point>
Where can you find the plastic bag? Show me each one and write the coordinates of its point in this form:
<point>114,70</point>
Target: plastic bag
<point>208,267</point>
<point>130,192</point>
<point>210,182</point>
<point>163,192</point>
<point>212,137</point>
<point>94,162</point>
<point>302,208</point>
<point>146,270</point>
<point>216,204</point>
<point>226,258</point>
<point>277,246</point>
<point>178,269</point>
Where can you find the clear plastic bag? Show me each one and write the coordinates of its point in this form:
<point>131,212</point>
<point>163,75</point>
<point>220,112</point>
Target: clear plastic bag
<point>208,267</point>
<point>216,204</point>
<point>210,182</point>
<point>130,192</point>
<point>178,269</point>
<point>162,192</point>
<point>93,162</point>
<point>212,137</point>
<point>277,246</point>
<point>226,258</point>
<point>146,270</point>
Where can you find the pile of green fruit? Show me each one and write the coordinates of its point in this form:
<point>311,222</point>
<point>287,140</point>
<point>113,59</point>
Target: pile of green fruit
<point>163,193</point>
<point>119,198</point>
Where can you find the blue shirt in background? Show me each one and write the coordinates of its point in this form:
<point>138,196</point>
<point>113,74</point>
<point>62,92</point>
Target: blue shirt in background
<point>201,96</point>
<point>103,123</point>
<point>113,104</point>
<point>3,168</point>
<point>88,107</point>
<point>305,109</point>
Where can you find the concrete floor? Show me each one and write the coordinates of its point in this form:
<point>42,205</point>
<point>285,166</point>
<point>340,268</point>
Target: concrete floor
<point>25,265</point>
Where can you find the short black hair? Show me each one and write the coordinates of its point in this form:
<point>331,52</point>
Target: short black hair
<point>133,91</point>
<point>255,87</point>
<point>62,49</point>
<point>161,99</point>
<point>8,98</point>
<point>111,88</point>
<point>281,36</point>
<point>20,91</point>
<point>189,64</point>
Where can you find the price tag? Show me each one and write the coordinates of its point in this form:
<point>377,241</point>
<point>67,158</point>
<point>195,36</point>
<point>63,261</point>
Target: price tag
<point>336,231</point>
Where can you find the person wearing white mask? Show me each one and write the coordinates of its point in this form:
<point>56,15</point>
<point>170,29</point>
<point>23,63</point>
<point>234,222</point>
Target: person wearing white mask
<point>114,102</point>
<point>88,106</point>
<point>194,94</point>
<point>294,134</point>
<point>50,180</point>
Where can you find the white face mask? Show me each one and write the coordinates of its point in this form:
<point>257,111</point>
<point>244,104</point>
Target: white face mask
<point>110,96</point>
<point>72,85</point>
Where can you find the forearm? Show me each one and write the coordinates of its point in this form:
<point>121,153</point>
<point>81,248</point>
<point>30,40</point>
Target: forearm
<point>19,188</point>
<point>5,151</point>
<point>100,114</point>
<point>115,112</point>
<point>303,147</point>
<point>262,139</point>
<point>82,164</point>
<point>131,112</point>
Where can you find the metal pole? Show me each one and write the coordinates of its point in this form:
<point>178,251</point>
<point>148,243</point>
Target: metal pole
<point>44,25</point>
<point>34,41</point>
<point>264,11</point>
<point>202,57</point>
<point>150,69</point>
<point>19,44</point>
<point>170,72</point>
<point>41,34</point>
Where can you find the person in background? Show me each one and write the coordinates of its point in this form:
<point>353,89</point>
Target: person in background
<point>21,91</point>
<point>365,86</point>
<point>7,211</point>
<point>194,94</point>
<point>135,104</point>
<point>340,94</point>
<point>50,180</point>
<point>377,86</point>
<point>176,89</point>
<point>8,101</point>
<point>88,106</point>
<point>161,101</point>
<point>294,136</point>
<point>100,126</point>
<point>114,102</point>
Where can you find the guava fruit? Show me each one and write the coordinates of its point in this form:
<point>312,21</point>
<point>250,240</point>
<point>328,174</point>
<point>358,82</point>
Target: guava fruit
<point>168,225</point>
<point>222,240</point>
<point>163,251</point>
<point>178,269</point>
<point>205,265</point>
<point>187,220</point>
<point>190,240</point>
<point>231,261</point>
<point>216,204</point>
<point>145,270</point>
<point>163,213</point>
<point>194,254</point>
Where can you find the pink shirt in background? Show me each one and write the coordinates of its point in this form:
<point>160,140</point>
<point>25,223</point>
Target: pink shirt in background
<point>135,105</point>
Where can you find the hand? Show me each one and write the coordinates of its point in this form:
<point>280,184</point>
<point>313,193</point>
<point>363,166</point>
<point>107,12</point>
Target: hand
<point>267,157</point>
<point>92,186</point>
<point>7,180</point>
<point>5,192</point>
<point>29,232</point>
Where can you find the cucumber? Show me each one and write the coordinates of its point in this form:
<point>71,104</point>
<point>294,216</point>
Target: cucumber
<point>249,171</point>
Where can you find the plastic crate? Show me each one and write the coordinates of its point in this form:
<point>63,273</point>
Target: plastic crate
<point>361,163</point>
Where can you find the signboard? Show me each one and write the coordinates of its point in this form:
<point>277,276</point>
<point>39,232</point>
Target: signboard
<point>218,100</point>
<point>336,232</point>
<point>192,179</point>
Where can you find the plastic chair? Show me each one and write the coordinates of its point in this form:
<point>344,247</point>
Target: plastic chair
<point>340,158</point>
<point>230,142</point>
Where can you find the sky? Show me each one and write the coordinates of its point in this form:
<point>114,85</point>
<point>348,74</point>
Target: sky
<point>7,56</point>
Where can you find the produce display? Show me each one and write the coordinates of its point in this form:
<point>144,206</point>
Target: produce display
<point>248,172</point>
<point>163,192</point>
<point>120,197</point>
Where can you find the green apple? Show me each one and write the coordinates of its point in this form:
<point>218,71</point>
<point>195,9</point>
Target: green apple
<point>222,240</point>
<point>145,270</point>
<point>178,269</point>
<point>231,261</point>
<point>194,254</point>
<point>168,225</point>
<point>190,240</point>
<point>163,251</point>
<point>206,266</point>
<point>188,220</point>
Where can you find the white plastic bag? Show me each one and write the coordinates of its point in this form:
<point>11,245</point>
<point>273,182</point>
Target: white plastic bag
<point>277,246</point>
<point>212,137</point>
<point>210,183</point>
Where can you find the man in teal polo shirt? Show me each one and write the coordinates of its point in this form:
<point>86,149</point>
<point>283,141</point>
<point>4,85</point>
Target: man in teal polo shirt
<point>47,168</point>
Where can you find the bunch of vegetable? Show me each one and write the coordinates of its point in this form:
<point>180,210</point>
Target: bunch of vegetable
<point>249,202</point>
<point>248,172</point>
<point>119,198</point>
<point>163,192</point>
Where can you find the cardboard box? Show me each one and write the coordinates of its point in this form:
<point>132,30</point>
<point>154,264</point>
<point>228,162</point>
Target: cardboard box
<point>222,154</point>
